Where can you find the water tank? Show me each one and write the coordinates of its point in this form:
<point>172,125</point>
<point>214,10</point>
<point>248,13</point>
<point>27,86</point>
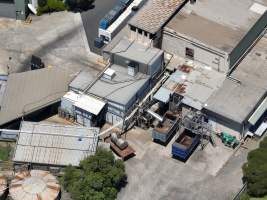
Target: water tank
<point>122,144</point>
<point>3,187</point>
<point>34,185</point>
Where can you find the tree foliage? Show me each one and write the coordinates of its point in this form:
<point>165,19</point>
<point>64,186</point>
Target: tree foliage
<point>78,4</point>
<point>98,177</point>
<point>47,6</point>
<point>255,171</point>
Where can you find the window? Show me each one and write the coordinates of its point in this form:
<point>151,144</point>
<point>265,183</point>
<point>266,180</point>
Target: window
<point>189,53</point>
<point>132,28</point>
<point>145,33</point>
<point>140,31</point>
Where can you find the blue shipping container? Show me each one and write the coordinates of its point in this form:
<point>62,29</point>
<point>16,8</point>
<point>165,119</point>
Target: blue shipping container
<point>185,144</point>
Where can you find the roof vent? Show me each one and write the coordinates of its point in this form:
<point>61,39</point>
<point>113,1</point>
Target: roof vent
<point>109,74</point>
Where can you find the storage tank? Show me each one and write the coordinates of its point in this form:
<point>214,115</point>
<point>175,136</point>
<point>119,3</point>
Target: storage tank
<point>34,185</point>
<point>3,187</point>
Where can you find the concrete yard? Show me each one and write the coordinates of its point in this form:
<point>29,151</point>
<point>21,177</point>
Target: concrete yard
<point>214,173</point>
<point>59,39</point>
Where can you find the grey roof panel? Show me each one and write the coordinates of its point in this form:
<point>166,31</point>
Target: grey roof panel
<point>83,80</point>
<point>29,91</point>
<point>122,88</point>
<point>238,101</point>
<point>54,144</point>
<point>209,23</point>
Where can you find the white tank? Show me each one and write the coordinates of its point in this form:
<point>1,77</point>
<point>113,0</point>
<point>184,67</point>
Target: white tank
<point>34,185</point>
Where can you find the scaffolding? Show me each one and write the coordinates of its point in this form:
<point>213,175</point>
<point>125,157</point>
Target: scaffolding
<point>196,122</point>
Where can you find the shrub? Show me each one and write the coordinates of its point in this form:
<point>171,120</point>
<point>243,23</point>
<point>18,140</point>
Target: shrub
<point>51,6</point>
<point>78,4</point>
<point>99,177</point>
<point>255,171</point>
<point>42,3</point>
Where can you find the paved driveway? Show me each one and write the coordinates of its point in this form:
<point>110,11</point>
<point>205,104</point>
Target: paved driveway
<point>91,20</point>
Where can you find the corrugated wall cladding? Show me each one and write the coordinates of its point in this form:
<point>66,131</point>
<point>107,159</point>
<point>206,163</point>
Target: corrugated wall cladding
<point>8,10</point>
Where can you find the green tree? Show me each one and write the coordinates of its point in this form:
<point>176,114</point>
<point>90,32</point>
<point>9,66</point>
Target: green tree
<point>78,4</point>
<point>255,171</point>
<point>99,177</point>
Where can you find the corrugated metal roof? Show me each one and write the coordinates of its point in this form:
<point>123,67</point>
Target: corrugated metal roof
<point>72,96</point>
<point>262,128</point>
<point>29,91</point>
<point>54,144</point>
<point>90,104</point>
<point>163,95</point>
<point>196,85</point>
<point>258,112</point>
<point>155,14</point>
<point>34,185</point>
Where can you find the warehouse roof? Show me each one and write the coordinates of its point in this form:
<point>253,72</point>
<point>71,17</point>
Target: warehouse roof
<point>90,104</point>
<point>122,88</point>
<point>235,100</point>
<point>135,51</point>
<point>155,14</point>
<point>82,80</point>
<point>195,83</point>
<point>54,144</point>
<point>209,23</point>
<point>29,91</point>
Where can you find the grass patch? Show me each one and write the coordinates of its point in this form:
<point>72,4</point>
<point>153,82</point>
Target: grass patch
<point>262,198</point>
<point>5,149</point>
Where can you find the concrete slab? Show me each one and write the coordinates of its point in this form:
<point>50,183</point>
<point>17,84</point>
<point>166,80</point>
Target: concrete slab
<point>214,173</point>
<point>59,39</point>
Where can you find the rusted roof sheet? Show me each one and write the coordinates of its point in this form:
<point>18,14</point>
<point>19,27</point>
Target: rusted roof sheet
<point>34,185</point>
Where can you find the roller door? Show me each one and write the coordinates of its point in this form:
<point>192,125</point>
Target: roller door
<point>7,9</point>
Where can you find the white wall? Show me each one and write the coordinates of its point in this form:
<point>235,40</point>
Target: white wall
<point>176,45</point>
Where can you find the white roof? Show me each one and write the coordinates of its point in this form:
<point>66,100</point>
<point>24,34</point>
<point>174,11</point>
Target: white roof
<point>262,128</point>
<point>90,104</point>
<point>54,144</point>
<point>109,72</point>
<point>72,96</point>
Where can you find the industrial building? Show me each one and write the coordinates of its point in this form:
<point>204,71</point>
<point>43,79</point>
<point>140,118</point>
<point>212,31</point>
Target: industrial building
<point>16,9</point>
<point>241,102</point>
<point>192,84</point>
<point>128,79</point>
<point>26,92</point>
<point>146,26</point>
<point>124,82</point>
<point>51,145</point>
<point>215,33</point>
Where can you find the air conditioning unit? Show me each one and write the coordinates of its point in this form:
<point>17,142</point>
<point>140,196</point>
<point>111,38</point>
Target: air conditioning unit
<point>109,74</point>
<point>132,68</point>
